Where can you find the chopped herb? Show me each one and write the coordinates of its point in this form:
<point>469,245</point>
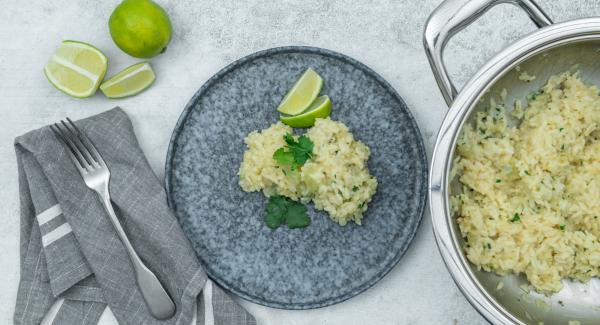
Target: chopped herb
<point>562,227</point>
<point>284,211</point>
<point>361,205</point>
<point>354,188</point>
<point>297,216</point>
<point>302,149</point>
<point>297,153</point>
<point>588,271</point>
<point>275,211</point>
<point>534,94</point>
<point>562,146</point>
<point>560,302</point>
<point>283,157</point>
<point>498,180</point>
<point>526,173</point>
<point>561,129</point>
<point>489,246</point>
<point>515,218</point>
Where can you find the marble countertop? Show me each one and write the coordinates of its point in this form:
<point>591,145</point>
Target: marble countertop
<point>209,34</point>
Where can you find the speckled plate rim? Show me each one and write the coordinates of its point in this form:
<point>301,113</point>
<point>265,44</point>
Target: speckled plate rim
<point>344,58</point>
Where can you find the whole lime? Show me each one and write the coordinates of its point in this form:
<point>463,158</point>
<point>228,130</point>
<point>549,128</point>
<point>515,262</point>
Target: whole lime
<point>141,28</point>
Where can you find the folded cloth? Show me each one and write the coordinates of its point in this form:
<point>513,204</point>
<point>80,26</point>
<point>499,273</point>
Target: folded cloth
<point>71,253</point>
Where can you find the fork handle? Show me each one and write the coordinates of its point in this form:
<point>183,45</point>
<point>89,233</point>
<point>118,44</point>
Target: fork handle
<point>157,299</point>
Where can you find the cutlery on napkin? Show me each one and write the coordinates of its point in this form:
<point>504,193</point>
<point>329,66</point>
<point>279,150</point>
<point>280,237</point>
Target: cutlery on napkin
<point>71,253</point>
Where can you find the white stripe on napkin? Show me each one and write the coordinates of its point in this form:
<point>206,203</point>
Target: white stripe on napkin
<point>56,234</point>
<point>49,214</point>
<point>195,313</point>
<point>209,318</point>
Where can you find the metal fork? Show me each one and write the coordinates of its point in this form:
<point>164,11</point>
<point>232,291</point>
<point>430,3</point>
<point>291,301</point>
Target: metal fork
<point>96,176</point>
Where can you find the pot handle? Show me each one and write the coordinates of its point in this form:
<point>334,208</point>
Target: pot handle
<point>452,16</point>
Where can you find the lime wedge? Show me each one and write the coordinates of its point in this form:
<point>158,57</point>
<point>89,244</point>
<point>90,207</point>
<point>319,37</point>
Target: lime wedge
<point>304,92</point>
<point>130,81</point>
<point>76,68</point>
<point>320,108</point>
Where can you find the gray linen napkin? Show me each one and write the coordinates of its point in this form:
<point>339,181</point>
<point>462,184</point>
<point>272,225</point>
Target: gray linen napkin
<point>71,253</point>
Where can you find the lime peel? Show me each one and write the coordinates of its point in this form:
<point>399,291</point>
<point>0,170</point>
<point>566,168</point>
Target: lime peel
<point>130,81</point>
<point>141,28</point>
<point>320,108</point>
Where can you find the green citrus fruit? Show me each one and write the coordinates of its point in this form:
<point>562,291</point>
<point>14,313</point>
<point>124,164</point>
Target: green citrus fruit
<point>140,28</point>
<point>130,81</point>
<point>302,94</point>
<point>76,68</point>
<point>320,108</point>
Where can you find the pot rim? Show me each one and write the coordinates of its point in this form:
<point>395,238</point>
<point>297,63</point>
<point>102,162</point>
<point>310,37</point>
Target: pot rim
<point>446,238</point>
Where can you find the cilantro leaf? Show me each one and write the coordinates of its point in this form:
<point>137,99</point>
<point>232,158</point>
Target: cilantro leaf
<point>298,152</point>
<point>281,210</point>
<point>289,139</point>
<point>302,149</point>
<point>305,142</point>
<point>515,218</point>
<point>296,216</point>
<point>275,211</point>
<point>283,157</point>
<point>300,158</point>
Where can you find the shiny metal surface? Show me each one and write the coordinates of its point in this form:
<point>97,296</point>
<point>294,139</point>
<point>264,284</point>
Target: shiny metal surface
<point>452,16</point>
<point>550,50</point>
<point>96,176</point>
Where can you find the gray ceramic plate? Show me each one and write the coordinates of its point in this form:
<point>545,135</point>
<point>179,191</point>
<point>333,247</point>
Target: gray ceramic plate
<point>324,263</point>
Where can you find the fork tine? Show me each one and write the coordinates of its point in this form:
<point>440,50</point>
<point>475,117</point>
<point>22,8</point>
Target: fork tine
<point>70,149</point>
<point>90,145</point>
<point>76,139</point>
<point>66,136</point>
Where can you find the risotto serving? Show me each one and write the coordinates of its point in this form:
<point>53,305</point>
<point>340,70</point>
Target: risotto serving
<point>335,178</point>
<point>530,200</point>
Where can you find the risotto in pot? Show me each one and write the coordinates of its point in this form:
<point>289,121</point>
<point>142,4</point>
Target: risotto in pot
<point>530,199</point>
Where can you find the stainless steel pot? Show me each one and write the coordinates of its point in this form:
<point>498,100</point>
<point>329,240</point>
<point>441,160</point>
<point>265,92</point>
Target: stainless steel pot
<point>552,49</point>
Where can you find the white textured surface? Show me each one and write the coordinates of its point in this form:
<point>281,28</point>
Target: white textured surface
<point>208,34</point>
